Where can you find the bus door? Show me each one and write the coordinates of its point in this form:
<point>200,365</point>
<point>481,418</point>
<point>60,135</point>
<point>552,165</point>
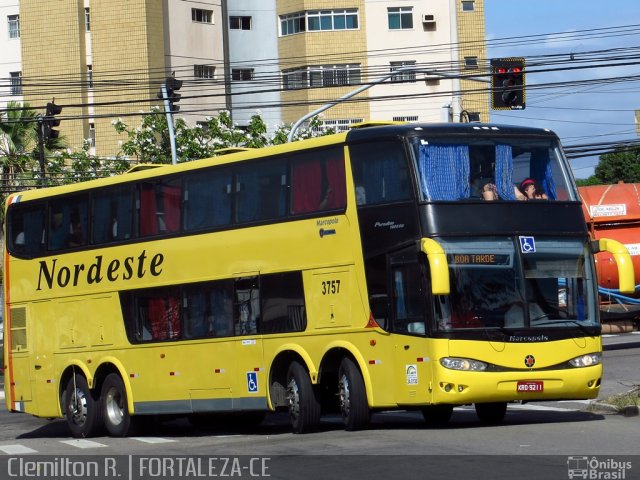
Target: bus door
<point>44,322</point>
<point>409,294</point>
<point>250,373</point>
<point>19,377</point>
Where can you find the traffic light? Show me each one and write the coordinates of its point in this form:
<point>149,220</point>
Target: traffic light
<point>50,121</point>
<point>171,85</point>
<point>507,84</point>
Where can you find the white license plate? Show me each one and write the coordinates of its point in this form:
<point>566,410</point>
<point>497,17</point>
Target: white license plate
<point>531,386</point>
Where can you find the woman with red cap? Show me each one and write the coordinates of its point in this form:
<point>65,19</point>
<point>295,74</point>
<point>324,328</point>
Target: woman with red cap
<point>532,190</point>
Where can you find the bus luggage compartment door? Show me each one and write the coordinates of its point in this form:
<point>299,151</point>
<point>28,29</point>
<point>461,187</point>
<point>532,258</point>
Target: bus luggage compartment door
<point>329,298</point>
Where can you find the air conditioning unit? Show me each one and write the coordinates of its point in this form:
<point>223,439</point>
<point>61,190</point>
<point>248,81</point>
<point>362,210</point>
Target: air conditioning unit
<point>428,19</point>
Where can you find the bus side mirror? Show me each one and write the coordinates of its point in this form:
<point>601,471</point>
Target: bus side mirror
<point>438,266</point>
<point>626,276</point>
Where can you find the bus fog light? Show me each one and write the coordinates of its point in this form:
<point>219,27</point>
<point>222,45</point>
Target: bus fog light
<point>447,387</point>
<point>586,360</point>
<point>465,364</point>
<point>461,388</point>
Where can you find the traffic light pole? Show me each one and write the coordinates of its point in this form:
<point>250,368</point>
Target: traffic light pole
<point>40,129</point>
<point>362,88</point>
<point>172,133</point>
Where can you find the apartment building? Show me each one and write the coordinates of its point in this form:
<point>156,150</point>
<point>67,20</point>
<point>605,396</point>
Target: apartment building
<point>104,59</point>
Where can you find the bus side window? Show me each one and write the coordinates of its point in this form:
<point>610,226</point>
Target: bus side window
<point>26,230</point>
<point>164,317</point>
<point>208,311</point>
<point>283,303</point>
<point>207,199</point>
<point>318,182</point>
<point>380,172</point>
<point>68,222</point>
<point>159,207</point>
<point>112,215</point>
<point>261,191</point>
<point>247,305</point>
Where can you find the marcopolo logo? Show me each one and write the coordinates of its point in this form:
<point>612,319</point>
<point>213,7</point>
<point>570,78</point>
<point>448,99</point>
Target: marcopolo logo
<point>593,468</point>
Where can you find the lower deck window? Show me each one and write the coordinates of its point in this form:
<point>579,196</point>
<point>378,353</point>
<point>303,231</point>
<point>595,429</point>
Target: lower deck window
<point>224,308</point>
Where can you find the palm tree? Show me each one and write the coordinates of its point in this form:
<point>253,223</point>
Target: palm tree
<point>18,140</point>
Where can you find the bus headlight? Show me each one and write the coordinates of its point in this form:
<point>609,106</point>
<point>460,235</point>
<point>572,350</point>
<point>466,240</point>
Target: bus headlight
<point>463,364</point>
<point>586,360</point>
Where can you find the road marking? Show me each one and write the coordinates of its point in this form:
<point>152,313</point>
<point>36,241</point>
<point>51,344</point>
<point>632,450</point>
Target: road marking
<point>152,439</point>
<point>586,402</point>
<point>540,407</point>
<point>17,449</point>
<point>81,443</point>
<point>1,394</point>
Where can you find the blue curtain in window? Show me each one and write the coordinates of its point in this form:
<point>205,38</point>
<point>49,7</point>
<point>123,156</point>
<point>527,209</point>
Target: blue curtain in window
<point>541,170</point>
<point>444,171</point>
<point>504,172</point>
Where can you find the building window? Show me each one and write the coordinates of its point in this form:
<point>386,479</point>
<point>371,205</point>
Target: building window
<point>400,18</point>
<point>411,118</point>
<point>242,74</point>
<point>292,24</point>
<point>240,23</point>
<point>92,135</point>
<point>469,116</point>
<point>201,16</point>
<point>204,71</point>
<point>16,83</point>
<point>14,26</point>
<point>468,5</point>
<point>322,76</point>
<point>340,125</point>
<point>87,19</point>
<point>332,20</point>
<point>90,76</point>
<point>470,62</point>
<point>408,76</point>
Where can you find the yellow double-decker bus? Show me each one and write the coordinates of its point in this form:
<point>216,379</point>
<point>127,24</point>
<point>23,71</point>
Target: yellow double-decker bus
<point>351,273</point>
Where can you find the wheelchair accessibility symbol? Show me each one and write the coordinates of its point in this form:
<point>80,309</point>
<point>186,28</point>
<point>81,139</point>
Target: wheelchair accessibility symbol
<point>252,382</point>
<point>527,244</point>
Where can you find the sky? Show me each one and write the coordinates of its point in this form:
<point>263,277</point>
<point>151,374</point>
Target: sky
<point>578,114</point>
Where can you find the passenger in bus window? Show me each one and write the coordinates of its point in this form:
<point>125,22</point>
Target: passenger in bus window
<point>76,237</point>
<point>532,190</point>
<point>489,192</point>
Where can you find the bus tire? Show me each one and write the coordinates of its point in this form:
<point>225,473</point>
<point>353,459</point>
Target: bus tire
<point>491,413</point>
<point>81,408</point>
<point>114,408</point>
<point>437,415</point>
<point>352,396</point>
<point>304,406</point>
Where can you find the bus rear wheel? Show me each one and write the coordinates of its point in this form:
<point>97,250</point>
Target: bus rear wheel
<point>491,413</point>
<point>117,420</point>
<point>304,406</point>
<point>81,409</point>
<point>352,396</point>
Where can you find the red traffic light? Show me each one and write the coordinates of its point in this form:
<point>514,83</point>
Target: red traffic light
<point>515,70</point>
<point>501,70</point>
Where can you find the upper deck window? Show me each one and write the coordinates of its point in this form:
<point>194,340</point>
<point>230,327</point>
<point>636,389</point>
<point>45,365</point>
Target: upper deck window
<point>453,169</point>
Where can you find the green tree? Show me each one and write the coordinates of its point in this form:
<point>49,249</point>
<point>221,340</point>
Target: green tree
<point>18,141</point>
<point>621,165</point>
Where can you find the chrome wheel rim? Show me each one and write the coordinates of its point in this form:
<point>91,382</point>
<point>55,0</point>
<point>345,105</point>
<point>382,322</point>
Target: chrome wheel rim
<point>114,408</point>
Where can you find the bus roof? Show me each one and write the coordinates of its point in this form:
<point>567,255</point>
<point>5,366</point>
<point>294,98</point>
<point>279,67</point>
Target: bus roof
<point>476,129</point>
<point>369,132</point>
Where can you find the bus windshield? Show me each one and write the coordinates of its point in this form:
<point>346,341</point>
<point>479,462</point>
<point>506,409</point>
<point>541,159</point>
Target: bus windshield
<point>503,283</point>
<point>462,168</point>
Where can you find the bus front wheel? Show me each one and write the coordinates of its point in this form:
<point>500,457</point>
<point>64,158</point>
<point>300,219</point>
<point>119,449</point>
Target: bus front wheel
<point>81,409</point>
<point>304,406</point>
<point>491,413</point>
<point>353,396</point>
<point>117,420</point>
<point>437,415</point>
